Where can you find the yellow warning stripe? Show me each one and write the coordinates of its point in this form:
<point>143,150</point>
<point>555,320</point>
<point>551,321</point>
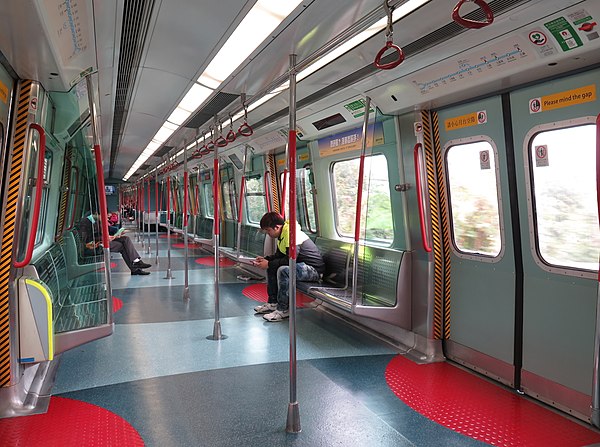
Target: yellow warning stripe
<point>444,221</point>
<point>274,190</point>
<point>15,165</point>
<point>438,275</point>
<point>66,190</point>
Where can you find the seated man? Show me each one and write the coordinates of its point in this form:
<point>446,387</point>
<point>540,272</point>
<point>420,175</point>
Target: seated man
<point>89,227</point>
<point>309,265</point>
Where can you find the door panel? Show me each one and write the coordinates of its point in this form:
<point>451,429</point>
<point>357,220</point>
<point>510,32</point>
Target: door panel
<point>482,309</point>
<point>559,300</point>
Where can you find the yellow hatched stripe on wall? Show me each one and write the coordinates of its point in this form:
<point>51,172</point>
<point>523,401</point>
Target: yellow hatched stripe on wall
<point>438,270</point>
<point>10,209</point>
<point>66,189</point>
<point>444,222</point>
<point>274,191</point>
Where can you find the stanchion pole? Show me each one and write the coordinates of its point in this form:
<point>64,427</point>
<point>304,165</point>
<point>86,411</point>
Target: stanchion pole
<point>169,273</point>
<point>156,210</point>
<point>217,334</point>
<point>293,413</point>
<point>186,286</point>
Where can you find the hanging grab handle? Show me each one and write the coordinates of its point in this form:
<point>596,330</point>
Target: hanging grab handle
<point>389,44</point>
<point>426,246</point>
<point>230,137</point>
<point>245,130</point>
<point>473,24</point>
<point>39,184</point>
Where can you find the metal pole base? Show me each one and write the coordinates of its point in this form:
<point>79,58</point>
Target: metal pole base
<point>169,274</point>
<point>148,250</point>
<point>217,334</point>
<point>293,418</point>
<point>186,293</point>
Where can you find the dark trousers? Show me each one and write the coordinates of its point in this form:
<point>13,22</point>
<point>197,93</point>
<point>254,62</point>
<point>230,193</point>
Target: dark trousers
<point>124,246</point>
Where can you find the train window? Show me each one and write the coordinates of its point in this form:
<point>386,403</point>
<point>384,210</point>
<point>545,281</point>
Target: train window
<point>256,203</point>
<point>305,210</point>
<point>563,171</point>
<point>228,190</point>
<point>473,198</point>
<point>376,213</point>
<point>209,205</point>
<point>306,195</point>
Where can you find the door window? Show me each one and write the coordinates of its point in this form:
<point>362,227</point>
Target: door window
<point>563,175</point>
<point>473,198</point>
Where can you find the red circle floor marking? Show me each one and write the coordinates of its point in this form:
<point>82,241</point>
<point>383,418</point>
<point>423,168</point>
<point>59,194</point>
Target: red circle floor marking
<point>117,304</point>
<point>181,245</point>
<point>258,292</point>
<point>479,409</point>
<point>69,423</point>
<point>210,261</point>
<point>164,236</point>
<point>112,266</point>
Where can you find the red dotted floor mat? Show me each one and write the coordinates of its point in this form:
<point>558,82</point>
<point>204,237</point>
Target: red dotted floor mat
<point>210,261</point>
<point>182,245</point>
<point>69,423</point>
<point>258,292</point>
<point>479,409</point>
<point>117,304</point>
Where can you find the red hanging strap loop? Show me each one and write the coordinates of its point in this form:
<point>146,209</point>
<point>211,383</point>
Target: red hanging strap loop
<point>230,137</point>
<point>473,24</point>
<point>399,56</point>
<point>389,43</point>
<point>245,129</point>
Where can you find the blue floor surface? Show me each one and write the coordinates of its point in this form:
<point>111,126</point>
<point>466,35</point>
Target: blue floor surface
<point>177,388</point>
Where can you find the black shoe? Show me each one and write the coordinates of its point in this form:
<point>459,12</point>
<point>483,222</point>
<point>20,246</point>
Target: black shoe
<point>139,272</point>
<point>141,265</point>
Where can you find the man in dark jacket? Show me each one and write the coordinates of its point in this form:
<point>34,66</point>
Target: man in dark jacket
<point>89,229</point>
<point>309,265</point>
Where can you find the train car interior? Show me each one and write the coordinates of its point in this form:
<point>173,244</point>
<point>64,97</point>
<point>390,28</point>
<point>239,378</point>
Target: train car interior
<point>441,156</point>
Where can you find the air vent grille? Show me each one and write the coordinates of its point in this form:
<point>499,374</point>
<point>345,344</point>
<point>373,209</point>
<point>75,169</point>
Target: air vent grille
<point>214,106</point>
<point>163,151</point>
<point>136,18</point>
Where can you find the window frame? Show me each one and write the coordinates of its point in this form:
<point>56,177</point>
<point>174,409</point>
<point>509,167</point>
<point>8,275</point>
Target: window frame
<point>480,257</point>
<point>366,241</point>
<point>531,215</point>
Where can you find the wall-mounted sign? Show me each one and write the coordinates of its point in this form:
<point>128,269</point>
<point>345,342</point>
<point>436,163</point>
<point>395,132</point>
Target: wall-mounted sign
<point>351,140</point>
<point>563,99</point>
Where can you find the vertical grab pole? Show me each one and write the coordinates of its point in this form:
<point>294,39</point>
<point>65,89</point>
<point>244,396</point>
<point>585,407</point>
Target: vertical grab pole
<point>156,210</point>
<point>241,202</point>
<point>169,273</point>
<point>361,174</point>
<point>142,210</point>
<point>217,334</point>
<point>148,251</point>
<point>137,212</point>
<point>293,413</point>
<point>186,286</point>
<point>596,379</point>
<point>101,198</point>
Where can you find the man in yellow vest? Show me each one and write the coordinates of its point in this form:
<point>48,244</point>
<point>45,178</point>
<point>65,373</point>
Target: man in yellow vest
<point>309,265</point>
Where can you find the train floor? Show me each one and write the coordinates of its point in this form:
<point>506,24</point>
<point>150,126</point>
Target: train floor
<point>160,381</point>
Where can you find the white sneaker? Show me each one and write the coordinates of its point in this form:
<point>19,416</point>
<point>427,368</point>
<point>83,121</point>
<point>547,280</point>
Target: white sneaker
<point>277,315</point>
<point>265,308</point>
